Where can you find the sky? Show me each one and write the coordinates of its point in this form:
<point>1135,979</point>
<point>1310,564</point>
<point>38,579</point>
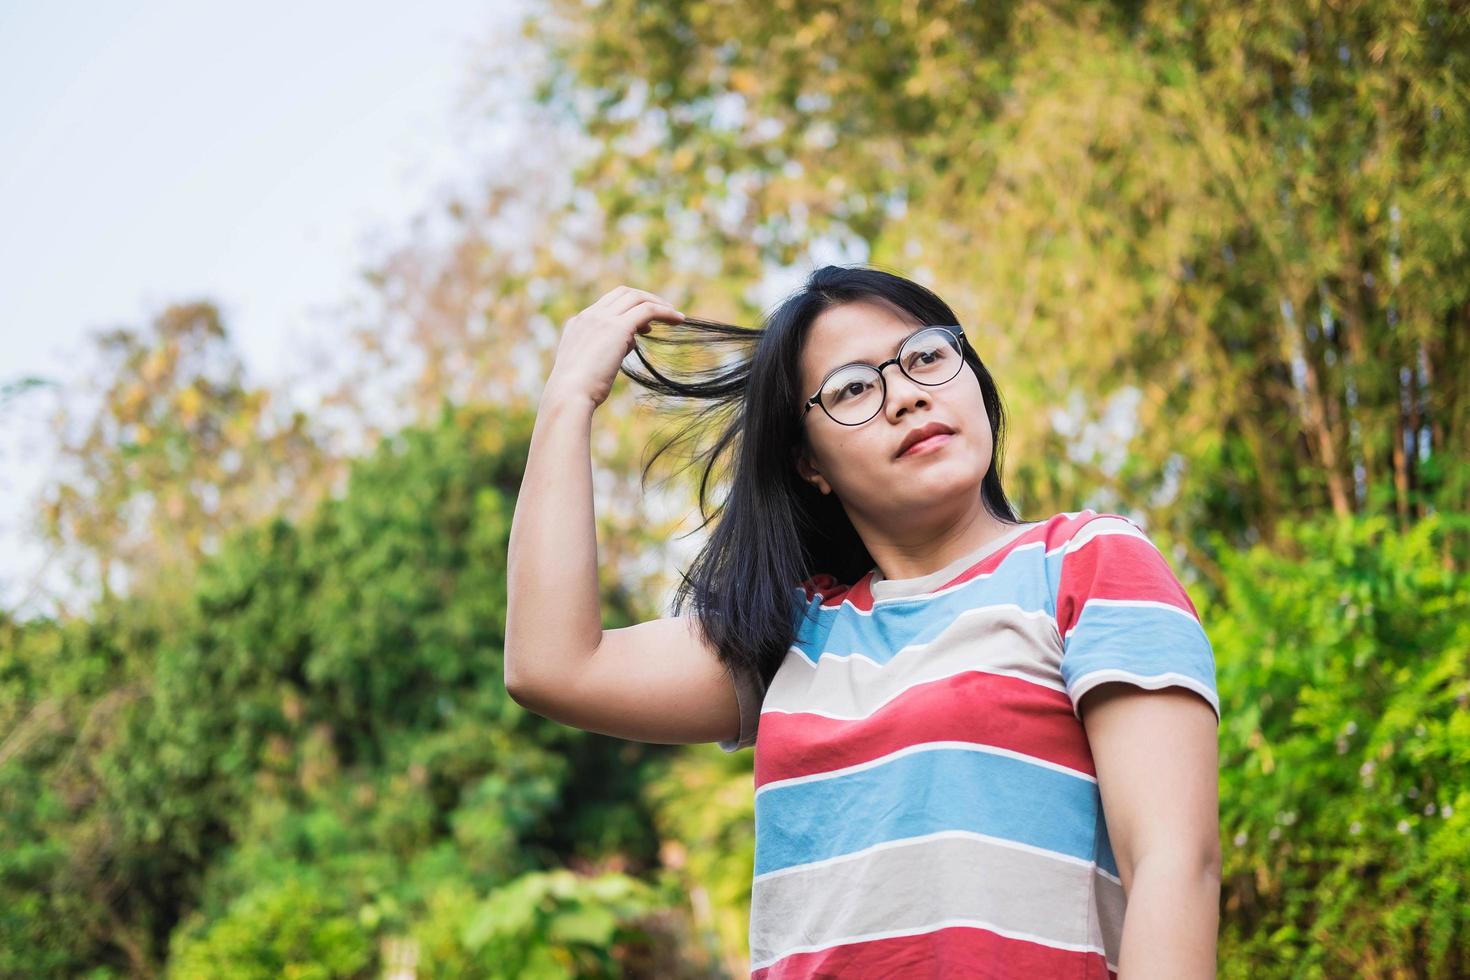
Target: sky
<point>249,154</point>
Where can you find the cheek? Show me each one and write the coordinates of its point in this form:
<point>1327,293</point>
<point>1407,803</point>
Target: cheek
<point>982,432</point>
<point>852,457</point>
<point>974,409</point>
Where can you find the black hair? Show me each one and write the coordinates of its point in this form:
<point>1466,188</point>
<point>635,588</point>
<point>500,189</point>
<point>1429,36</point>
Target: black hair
<point>776,530</point>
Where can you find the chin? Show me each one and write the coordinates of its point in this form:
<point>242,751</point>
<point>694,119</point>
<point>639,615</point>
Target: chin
<point>944,481</point>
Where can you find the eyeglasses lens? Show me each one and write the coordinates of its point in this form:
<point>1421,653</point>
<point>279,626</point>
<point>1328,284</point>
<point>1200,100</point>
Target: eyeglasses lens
<point>855,393</point>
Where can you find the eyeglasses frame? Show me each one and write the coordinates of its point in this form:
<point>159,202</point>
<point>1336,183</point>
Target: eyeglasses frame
<point>816,398</point>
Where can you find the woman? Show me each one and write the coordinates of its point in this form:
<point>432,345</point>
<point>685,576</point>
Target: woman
<point>984,747</point>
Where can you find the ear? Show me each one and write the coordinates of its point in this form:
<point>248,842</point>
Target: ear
<point>809,472</point>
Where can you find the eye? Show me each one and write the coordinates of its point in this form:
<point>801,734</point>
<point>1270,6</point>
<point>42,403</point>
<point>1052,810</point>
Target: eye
<point>926,356</point>
<point>852,389</point>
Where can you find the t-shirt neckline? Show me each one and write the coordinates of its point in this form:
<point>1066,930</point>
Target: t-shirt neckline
<point>882,588</point>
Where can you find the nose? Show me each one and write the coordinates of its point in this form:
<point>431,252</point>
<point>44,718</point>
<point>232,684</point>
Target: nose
<point>900,391</point>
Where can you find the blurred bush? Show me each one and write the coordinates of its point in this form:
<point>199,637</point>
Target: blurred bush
<point>314,754</point>
<point>1344,671</point>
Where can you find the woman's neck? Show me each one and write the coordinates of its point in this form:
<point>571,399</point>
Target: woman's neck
<point>907,559</point>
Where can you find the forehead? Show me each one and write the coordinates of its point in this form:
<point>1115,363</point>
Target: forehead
<point>863,330</point>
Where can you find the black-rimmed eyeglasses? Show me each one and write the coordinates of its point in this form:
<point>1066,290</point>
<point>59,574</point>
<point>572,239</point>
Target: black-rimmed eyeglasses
<point>854,393</point>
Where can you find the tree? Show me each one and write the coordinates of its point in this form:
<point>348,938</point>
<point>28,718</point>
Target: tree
<point>1212,251</point>
<point>169,448</point>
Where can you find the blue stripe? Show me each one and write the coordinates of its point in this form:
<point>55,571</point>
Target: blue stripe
<point>1105,859</point>
<point>922,793</point>
<point>895,624</point>
<point>1142,640</point>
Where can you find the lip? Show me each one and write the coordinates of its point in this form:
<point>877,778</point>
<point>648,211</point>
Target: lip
<point>925,446</point>
<point>920,434</point>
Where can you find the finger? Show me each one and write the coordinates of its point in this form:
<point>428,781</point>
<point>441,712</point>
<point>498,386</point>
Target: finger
<point>650,310</point>
<point>633,297</point>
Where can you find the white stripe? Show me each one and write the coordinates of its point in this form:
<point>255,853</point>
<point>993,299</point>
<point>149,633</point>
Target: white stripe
<point>1149,682</point>
<point>998,672</point>
<point>936,835</point>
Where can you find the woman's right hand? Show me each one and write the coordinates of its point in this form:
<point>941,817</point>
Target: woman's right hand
<point>595,341</point>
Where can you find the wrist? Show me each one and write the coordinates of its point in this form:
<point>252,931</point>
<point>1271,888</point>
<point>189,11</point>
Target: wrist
<point>565,397</point>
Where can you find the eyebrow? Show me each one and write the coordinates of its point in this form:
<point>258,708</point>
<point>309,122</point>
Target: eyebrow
<point>896,347</point>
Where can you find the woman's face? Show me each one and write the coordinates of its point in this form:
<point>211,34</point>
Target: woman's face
<point>861,463</point>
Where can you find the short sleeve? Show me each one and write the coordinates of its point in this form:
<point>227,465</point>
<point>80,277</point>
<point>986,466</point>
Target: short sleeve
<point>750,691</point>
<point>1124,616</point>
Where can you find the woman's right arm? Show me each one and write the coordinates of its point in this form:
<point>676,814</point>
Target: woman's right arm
<point>658,681</point>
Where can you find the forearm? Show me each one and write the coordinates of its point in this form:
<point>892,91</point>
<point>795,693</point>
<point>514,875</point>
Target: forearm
<point>553,616</point>
<point>1171,922</point>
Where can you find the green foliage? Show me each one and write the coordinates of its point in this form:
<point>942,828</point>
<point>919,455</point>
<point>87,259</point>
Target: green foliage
<point>199,787</point>
<point>705,812</point>
<point>1344,671</point>
<point>77,876</point>
<point>310,748</point>
<point>292,929</point>
<point>543,925</point>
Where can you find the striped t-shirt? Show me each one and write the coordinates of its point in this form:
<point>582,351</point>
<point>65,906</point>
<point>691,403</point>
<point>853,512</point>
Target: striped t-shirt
<point>925,798</point>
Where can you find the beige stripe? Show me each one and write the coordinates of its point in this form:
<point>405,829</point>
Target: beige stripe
<point>904,886</point>
<point>1001,639</point>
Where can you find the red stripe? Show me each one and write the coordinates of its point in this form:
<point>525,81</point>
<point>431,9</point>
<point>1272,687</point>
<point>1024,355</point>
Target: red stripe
<point>1116,566</point>
<point>957,951</point>
<point>973,706</point>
